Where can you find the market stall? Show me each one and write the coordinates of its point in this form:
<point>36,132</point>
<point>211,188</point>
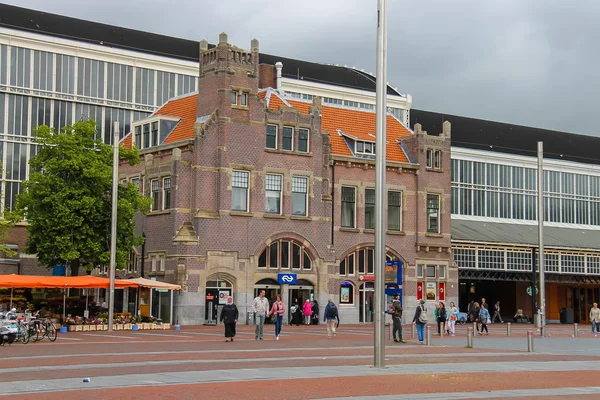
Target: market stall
<point>151,295</point>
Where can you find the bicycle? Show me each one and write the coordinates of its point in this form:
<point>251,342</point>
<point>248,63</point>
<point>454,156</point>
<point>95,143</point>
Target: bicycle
<point>44,327</point>
<point>22,331</point>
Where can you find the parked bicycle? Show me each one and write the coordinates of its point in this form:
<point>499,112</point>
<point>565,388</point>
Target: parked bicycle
<point>41,328</point>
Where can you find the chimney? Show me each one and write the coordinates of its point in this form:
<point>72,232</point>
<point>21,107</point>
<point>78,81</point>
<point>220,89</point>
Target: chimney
<point>279,67</point>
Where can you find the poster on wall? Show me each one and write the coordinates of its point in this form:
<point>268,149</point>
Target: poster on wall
<point>223,295</point>
<point>419,290</point>
<point>431,291</point>
<point>345,295</point>
<point>442,291</point>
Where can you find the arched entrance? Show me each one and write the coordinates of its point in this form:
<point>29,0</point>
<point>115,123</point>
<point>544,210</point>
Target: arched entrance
<point>218,288</point>
<point>366,295</point>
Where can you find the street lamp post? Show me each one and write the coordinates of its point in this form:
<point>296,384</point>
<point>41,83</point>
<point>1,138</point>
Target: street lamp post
<point>380,166</point>
<point>542,305</point>
<point>113,227</point>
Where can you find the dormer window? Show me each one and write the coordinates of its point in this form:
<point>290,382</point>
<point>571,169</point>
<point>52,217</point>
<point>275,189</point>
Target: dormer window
<point>366,148</point>
<point>153,131</point>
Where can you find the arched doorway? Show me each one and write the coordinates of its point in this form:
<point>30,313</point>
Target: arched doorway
<point>271,288</point>
<point>366,295</point>
<point>218,288</point>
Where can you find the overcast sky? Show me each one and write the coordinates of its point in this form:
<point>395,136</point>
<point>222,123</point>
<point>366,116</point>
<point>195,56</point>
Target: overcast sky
<point>530,62</point>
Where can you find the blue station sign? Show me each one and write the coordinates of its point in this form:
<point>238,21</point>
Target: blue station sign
<point>287,279</point>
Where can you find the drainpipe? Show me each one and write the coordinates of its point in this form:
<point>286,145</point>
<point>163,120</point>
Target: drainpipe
<point>332,202</point>
<point>278,67</point>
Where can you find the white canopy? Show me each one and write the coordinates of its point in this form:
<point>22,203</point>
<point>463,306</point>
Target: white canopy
<point>153,284</point>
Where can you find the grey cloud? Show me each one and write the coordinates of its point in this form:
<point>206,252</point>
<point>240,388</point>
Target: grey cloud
<point>532,62</point>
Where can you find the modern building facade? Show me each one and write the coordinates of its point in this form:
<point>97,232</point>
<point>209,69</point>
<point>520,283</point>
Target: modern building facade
<point>494,215</point>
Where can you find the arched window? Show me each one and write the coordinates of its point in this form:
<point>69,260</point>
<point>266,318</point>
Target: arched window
<point>346,293</point>
<point>285,254</point>
<point>361,262</point>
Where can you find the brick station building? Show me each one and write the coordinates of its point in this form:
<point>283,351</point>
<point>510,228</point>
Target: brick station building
<point>248,183</point>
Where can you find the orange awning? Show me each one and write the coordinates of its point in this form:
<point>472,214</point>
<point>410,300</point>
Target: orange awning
<point>78,282</point>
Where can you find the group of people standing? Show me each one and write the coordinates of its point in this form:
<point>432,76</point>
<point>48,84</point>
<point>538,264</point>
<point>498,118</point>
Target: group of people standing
<point>262,310</point>
<point>480,316</point>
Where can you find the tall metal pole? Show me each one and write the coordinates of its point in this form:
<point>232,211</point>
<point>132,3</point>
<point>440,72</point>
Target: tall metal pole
<point>380,166</point>
<point>113,227</point>
<point>542,305</point>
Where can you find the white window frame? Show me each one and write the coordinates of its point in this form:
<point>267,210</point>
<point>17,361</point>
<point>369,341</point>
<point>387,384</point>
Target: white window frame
<point>244,99</point>
<point>280,192</point>
<point>291,128</point>
<point>342,209</point>
<point>437,159</point>
<point>164,196</point>
<point>247,189</point>
<point>307,140</point>
<point>429,158</point>
<point>438,213</point>
<point>234,96</point>
<point>294,186</point>
<point>153,192</point>
<point>276,136</point>
<point>364,144</point>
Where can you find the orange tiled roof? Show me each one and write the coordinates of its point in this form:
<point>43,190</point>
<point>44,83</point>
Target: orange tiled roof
<point>356,124</point>
<point>184,108</point>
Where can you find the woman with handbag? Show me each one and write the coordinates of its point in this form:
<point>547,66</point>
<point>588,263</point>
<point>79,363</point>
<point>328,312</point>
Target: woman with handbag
<point>453,317</point>
<point>278,311</point>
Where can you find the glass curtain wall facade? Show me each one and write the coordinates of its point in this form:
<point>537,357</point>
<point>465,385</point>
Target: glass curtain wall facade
<point>48,88</point>
<point>502,191</point>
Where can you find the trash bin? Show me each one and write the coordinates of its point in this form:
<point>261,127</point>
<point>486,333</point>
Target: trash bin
<point>250,320</point>
<point>566,315</point>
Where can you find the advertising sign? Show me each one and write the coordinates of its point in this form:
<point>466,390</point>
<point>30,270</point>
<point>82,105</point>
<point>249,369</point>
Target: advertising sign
<point>442,291</point>
<point>419,290</point>
<point>223,295</point>
<point>431,289</point>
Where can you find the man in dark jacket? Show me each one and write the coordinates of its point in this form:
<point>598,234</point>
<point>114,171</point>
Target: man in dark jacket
<point>396,312</point>
<point>420,320</point>
<point>229,316</point>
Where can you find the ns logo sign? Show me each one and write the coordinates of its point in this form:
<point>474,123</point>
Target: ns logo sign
<point>287,279</point>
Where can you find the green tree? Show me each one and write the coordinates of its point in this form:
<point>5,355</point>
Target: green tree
<point>67,200</point>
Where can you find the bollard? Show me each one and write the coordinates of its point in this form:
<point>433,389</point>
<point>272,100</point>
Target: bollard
<point>391,331</point>
<point>470,338</point>
<point>412,332</point>
<point>442,331</point>
<point>575,330</point>
<point>508,329</point>
<point>474,328</point>
<point>530,341</point>
<point>428,336</point>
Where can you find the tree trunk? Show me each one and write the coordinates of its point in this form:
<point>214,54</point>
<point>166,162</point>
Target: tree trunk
<point>74,264</point>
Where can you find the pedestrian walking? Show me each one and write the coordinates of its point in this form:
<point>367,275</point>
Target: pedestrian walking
<point>595,318</point>
<point>278,311</point>
<point>260,307</point>
<point>484,318</point>
<point>332,317</point>
<point>474,316</point>
<point>420,319</point>
<point>295,313</point>
<point>483,303</point>
<point>395,311</point>
<point>315,312</point>
<point>442,317</point>
<point>229,317</point>
<point>307,312</point>
<point>452,318</point>
<point>435,317</point>
<point>497,313</point>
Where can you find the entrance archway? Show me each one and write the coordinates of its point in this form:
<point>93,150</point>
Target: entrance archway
<point>271,288</point>
<point>218,288</point>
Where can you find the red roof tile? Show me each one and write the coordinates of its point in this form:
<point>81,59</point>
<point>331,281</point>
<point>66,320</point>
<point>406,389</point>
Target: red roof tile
<point>184,108</point>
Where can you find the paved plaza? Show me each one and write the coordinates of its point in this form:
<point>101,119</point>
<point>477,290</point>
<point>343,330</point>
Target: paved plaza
<point>196,363</point>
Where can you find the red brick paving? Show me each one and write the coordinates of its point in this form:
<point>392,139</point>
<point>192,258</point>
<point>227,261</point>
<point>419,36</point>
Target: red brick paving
<point>301,389</point>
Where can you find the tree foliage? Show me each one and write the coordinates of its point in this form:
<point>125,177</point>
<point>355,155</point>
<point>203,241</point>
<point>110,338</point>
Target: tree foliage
<point>67,200</point>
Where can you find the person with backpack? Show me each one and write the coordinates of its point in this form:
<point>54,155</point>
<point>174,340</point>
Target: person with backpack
<point>395,310</point>
<point>278,310</point>
<point>420,319</point>
<point>332,318</point>
<point>442,318</point>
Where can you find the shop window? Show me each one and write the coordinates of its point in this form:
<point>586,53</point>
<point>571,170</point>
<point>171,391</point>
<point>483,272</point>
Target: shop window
<point>346,293</point>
